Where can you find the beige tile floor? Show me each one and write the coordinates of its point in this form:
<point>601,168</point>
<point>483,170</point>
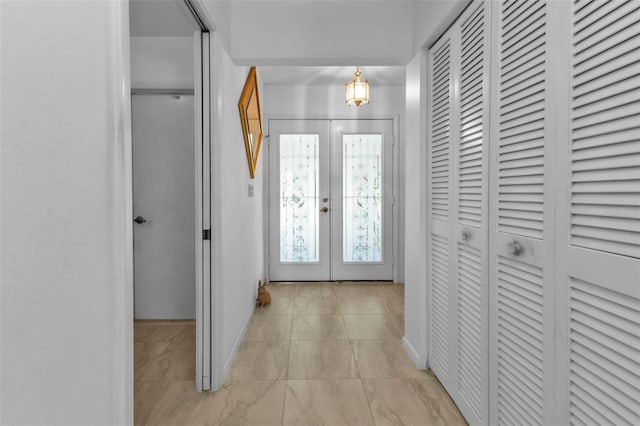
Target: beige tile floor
<point>321,354</point>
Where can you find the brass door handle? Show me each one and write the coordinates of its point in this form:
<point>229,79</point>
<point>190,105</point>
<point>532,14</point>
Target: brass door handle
<point>324,209</point>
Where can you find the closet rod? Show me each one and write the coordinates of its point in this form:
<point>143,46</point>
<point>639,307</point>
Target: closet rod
<point>162,91</point>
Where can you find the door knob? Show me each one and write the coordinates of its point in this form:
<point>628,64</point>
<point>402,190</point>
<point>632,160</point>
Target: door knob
<point>514,248</point>
<point>466,235</point>
<point>139,219</point>
<point>324,209</point>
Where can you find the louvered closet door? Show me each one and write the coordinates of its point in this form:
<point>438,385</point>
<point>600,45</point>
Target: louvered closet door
<point>440,205</point>
<point>458,211</point>
<point>522,217</point>
<point>470,233</point>
<point>599,245</point>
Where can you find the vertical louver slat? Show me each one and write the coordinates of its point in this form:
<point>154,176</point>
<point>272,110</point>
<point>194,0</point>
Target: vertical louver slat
<point>470,185</point>
<point>605,125</point>
<point>470,333</point>
<point>440,300</point>
<point>440,133</point>
<point>521,118</point>
<point>519,350</point>
<point>604,357</point>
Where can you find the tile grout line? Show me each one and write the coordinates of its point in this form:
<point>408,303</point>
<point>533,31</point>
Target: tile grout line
<point>286,378</point>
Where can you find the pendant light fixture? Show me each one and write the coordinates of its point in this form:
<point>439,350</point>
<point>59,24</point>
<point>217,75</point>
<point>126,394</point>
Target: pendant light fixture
<point>357,90</point>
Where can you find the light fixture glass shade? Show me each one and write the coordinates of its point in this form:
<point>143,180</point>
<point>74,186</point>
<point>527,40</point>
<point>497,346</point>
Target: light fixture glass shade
<point>357,92</point>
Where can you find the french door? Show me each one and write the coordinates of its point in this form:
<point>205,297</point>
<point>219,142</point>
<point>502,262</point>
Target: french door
<point>331,200</point>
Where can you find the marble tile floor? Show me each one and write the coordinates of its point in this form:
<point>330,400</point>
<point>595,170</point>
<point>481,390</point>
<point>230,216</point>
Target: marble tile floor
<point>321,354</point>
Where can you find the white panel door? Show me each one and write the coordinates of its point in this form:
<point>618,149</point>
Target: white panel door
<point>598,278</point>
<point>164,201</point>
<point>458,178</point>
<point>522,212</point>
<point>299,193</point>
<point>362,200</point>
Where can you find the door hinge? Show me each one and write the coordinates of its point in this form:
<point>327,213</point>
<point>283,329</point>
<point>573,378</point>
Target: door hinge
<point>206,234</point>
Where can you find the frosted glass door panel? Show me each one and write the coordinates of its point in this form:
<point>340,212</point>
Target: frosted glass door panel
<point>299,198</point>
<point>362,198</point>
<point>299,192</point>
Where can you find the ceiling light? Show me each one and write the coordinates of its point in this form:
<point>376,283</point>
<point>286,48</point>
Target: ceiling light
<point>357,90</point>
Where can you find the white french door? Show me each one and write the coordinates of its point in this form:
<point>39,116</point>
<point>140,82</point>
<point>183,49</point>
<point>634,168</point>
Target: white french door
<point>331,200</point>
<point>298,195</point>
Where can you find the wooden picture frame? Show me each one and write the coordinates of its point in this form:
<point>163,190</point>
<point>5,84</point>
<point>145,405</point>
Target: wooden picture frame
<point>251,119</point>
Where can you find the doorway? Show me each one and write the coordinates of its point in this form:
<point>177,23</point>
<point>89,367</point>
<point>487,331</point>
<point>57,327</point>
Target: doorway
<point>331,200</point>
<point>163,206</point>
<point>171,178</point>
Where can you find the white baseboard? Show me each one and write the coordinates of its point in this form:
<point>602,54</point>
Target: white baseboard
<point>419,361</point>
<point>238,341</point>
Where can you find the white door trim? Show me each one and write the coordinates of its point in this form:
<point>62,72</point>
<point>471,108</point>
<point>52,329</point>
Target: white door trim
<point>203,211</point>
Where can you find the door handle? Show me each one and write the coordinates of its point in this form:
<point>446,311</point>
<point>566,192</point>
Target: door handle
<point>139,219</point>
<point>466,235</point>
<point>514,248</point>
<point>324,209</point>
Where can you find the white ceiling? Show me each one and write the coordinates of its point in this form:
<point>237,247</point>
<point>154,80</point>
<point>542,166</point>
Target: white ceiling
<point>330,75</point>
<point>171,18</point>
<point>160,18</point>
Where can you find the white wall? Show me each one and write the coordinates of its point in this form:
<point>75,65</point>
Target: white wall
<point>162,62</point>
<point>327,102</point>
<point>292,32</point>
<point>65,280</point>
<point>415,294</point>
<point>237,218</point>
<point>431,19</point>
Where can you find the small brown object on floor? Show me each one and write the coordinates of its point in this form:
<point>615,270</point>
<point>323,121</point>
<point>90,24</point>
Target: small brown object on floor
<point>264,297</point>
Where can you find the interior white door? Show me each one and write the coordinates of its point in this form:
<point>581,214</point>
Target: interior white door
<point>362,200</point>
<point>457,210</point>
<point>164,206</point>
<point>439,183</point>
<point>598,249</point>
<point>523,232</point>
<point>299,237</point>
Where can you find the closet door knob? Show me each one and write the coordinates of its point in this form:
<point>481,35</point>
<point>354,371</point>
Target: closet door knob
<point>515,248</point>
<point>466,235</point>
<point>324,209</point>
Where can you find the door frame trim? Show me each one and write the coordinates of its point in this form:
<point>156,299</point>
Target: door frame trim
<point>395,118</point>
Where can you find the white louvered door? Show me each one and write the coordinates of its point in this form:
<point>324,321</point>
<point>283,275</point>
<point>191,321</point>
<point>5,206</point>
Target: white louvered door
<point>560,240</point>
<point>598,279</point>
<point>439,183</point>
<point>470,233</point>
<point>458,174</point>
<point>522,216</point>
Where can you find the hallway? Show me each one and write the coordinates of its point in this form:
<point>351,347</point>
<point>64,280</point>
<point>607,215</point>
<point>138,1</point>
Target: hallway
<point>321,354</point>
